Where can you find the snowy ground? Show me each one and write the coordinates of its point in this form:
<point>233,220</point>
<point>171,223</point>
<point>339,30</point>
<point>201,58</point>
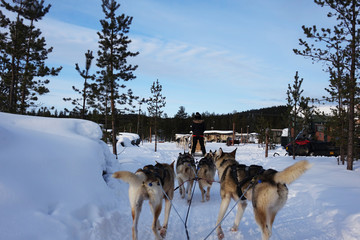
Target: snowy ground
<point>51,187</point>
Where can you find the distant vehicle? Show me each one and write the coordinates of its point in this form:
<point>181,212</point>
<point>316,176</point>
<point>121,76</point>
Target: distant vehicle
<point>229,141</point>
<point>312,148</point>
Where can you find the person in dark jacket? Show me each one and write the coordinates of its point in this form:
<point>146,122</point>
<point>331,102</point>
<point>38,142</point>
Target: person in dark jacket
<point>198,128</point>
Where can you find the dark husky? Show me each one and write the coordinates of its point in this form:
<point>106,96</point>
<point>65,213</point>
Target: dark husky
<point>206,173</point>
<point>150,183</point>
<point>185,170</point>
<point>266,189</point>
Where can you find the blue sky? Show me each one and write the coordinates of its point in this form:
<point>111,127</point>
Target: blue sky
<point>209,55</point>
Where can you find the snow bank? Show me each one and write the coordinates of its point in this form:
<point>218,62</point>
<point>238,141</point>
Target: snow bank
<point>51,183</point>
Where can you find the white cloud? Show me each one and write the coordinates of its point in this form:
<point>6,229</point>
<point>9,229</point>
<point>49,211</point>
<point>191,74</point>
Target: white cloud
<point>70,41</point>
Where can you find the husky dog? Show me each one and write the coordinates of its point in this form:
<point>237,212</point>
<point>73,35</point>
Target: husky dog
<point>150,183</point>
<point>185,170</point>
<point>266,189</point>
<point>206,173</point>
<point>183,142</point>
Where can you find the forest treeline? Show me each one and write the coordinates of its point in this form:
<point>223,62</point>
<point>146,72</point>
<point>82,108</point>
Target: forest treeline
<point>251,120</point>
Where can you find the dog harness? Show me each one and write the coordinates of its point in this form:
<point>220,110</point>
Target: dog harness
<point>251,172</point>
<point>155,170</point>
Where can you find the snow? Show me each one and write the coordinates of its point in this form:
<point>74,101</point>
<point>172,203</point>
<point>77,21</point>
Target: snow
<point>217,132</point>
<point>51,187</point>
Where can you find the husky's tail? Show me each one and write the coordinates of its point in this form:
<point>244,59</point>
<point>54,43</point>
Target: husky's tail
<point>293,172</point>
<point>128,177</point>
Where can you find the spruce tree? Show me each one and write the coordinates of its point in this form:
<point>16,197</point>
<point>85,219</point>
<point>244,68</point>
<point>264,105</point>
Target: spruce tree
<point>156,103</point>
<point>112,58</point>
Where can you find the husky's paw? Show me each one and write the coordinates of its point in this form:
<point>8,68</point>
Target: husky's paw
<point>207,198</point>
<point>220,235</point>
<point>234,228</point>
<point>163,232</point>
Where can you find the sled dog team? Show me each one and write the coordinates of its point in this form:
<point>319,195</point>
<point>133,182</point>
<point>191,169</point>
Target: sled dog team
<point>265,188</point>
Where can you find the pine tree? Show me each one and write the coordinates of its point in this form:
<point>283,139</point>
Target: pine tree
<point>28,52</point>
<point>343,39</point>
<point>80,103</point>
<point>14,46</point>
<point>337,90</point>
<point>156,103</point>
<point>181,123</point>
<point>297,104</point>
<point>140,102</point>
<point>4,63</point>
<point>113,55</point>
<point>181,113</point>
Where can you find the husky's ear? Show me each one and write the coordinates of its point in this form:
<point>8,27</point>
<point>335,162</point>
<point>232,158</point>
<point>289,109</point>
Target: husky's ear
<point>172,164</point>
<point>179,154</point>
<point>220,152</point>
<point>233,153</point>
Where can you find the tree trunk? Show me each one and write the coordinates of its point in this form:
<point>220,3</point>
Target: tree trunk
<point>106,112</point>
<point>266,143</point>
<point>350,153</point>
<point>12,97</point>
<point>84,95</point>
<point>138,122</point>
<point>233,140</point>
<point>26,74</point>
<point>350,147</point>
<point>113,122</point>
<point>155,134</point>
<point>150,135</point>
<point>342,139</point>
<point>294,136</point>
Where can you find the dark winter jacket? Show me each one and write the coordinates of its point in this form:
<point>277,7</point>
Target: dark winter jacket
<point>198,127</point>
